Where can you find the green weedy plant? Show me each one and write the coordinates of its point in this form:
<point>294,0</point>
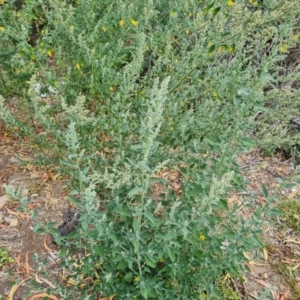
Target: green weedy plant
<point>136,246</point>
<point>114,125</point>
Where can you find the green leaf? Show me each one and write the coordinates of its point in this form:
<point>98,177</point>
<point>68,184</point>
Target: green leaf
<point>156,179</point>
<point>198,189</point>
<point>223,204</point>
<point>84,225</point>
<point>113,237</point>
<point>123,212</point>
<point>136,147</point>
<point>209,7</point>
<point>150,261</point>
<point>99,250</point>
<point>128,277</point>
<point>144,292</point>
<point>169,236</point>
<point>122,265</point>
<point>153,220</point>
<point>136,245</point>
<point>211,49</point>
<point>216,10</point>
<point>38,229</point>
<point>171,254</point>
<point>264,191</point>
<point>62,252</point>
<point>135,191</point>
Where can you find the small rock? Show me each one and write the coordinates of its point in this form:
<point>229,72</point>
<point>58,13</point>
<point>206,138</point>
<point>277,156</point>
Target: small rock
<point>3,200</point>
<point>13,222</point>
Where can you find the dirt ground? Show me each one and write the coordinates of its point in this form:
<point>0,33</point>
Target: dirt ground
<point>276,271</point>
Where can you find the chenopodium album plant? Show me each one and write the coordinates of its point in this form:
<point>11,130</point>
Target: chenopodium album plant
<point>124,127</point>
<point>141,246</point>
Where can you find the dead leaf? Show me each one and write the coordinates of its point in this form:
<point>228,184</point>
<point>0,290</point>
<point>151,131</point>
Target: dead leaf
<point>26,265</point>
<point>46,246</point>
<point>43,295</point>
<point>14,289</point>
<point>295,267</point>
<point>108,298</point>
<point>291,241</point>
<point>3,200</point>
<point>17,213</point>
<point>265,254</point>
<point>250,267</point>
<point>291,195</point>
<point>44,280</point>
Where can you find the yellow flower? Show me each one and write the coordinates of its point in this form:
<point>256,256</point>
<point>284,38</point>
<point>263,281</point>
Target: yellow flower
<point>147,48</point>
<point>230,3</point>
<point>250,1</point>
<point>78,66</point>
<point>190,15</point>
<point>284,49</point>
<point>187,31</point>
<point>202,237</point>
<point>2,28</point>
<point>137,279</point>
<point>104,28</point>
<point>42,31</point>
<point>133,22</point>
<point>172,13</point>
<point>50,53</point>
<point>1,1</point>
<point>121,23</point>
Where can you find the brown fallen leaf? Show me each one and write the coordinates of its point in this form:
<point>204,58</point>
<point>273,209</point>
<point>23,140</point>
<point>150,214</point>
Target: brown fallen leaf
<point>43,295</point>
<point>16,213</point>
<point>46,246</point>
<point>26,265</point>
<point>108,298</point>
<point>44,280</point>
<point>291,241</point>
<point>14,289</point>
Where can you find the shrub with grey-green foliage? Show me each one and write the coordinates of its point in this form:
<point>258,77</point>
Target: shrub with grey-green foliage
<point>279,125</point>
<point>143,87</point>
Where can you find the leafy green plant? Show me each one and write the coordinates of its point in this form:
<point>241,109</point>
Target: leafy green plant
<point>291,210</point>
<point>118,91</point>
<point>4,257</point>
